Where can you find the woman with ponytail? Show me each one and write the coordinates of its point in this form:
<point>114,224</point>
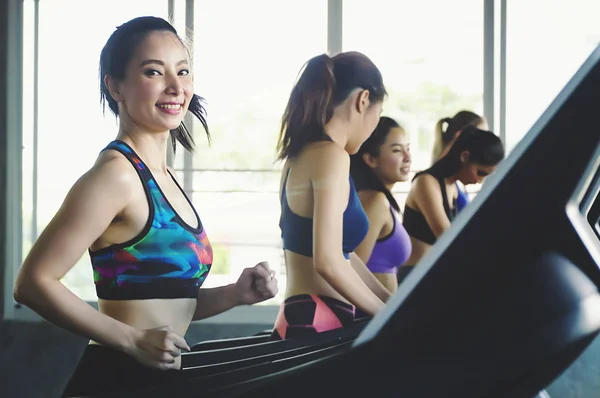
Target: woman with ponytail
<point>149,251</point>
<point>446,132</point>
<point>382,161</point>
<point>431,203</point>
<point>332,110</point>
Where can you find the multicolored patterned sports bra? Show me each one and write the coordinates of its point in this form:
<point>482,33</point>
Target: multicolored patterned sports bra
<point>168,259</point>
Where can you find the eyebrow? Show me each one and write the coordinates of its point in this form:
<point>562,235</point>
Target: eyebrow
<point>401,145</point>
<point>159,62</point>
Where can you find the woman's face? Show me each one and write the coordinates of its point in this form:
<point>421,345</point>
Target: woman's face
<point>473,173</point>
<point>394,160</point>
<point>158,85</point>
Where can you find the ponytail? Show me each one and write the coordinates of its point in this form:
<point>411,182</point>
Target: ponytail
<point>324,84</point>
<point>454,125</point>
<point>438,141</point>
<point>309,108</point>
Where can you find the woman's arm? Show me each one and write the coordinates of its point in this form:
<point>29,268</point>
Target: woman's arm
<point>369,279</point>
<point>87,211</point>
<point>428,196</point>
<point>330,183</point>
<point>213,301</point>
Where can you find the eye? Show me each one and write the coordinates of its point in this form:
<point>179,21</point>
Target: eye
<point>151,72</point>
<point>482,173</point>
<point>184,72</point>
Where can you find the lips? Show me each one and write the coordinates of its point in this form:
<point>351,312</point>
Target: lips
<point>169,105</point>
<point>170,108</point>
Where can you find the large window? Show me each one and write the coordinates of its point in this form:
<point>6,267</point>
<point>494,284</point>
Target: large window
<point>247,55</point>
<point>245,64</point>
<point>71,127</point>
<point>430,54</point>
<point>547,41</point>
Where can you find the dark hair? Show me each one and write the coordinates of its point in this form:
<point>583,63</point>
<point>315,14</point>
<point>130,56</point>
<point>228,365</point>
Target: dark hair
<point>323,84</point>
<point>117,54</point>
<point>363,176</point>
<point>485,148</point>
<point>443,137</point>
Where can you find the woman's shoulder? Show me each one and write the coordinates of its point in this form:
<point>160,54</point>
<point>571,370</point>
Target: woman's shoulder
<point>113,166</point>
<point>374,199</point>
<point>324,157</point>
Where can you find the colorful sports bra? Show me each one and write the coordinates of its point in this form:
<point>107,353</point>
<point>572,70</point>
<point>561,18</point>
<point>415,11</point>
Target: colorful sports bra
<point>391,251</point>
<point>168,259</point>
<point>297,231</point>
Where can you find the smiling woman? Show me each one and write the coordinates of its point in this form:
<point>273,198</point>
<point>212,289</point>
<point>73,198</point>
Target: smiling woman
<point>146,242</point>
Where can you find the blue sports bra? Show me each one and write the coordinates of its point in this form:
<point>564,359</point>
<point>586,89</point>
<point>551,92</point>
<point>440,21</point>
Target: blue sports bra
<point>462,200</point>
<point>168,259</point>
<point>297,231</point>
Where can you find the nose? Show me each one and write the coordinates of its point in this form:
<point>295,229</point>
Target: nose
<point>174,86</point>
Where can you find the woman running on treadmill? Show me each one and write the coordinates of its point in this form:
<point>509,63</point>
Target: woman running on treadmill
<point>431,203</point>
<point>332,110</point>
<point>148,248</point>
<point>382,161</point>
<point>446,132</point>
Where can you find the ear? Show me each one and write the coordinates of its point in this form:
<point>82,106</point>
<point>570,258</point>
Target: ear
<point>113,88</point>
<point>370,160</point>
<point>464,156</point>
<point>362,101</point>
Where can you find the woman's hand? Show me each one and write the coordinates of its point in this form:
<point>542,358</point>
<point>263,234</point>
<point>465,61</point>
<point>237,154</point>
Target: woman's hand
<point>158,348</point>
<point>256,284</point>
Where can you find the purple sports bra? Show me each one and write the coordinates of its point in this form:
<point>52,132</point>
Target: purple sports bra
<point>391,251</point>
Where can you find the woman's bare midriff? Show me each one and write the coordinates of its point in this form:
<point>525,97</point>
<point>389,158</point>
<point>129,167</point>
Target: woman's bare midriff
<point>302,278</point>
<point>151,314</point>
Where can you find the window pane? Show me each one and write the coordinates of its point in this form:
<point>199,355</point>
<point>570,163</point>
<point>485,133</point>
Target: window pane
<point>72,129</point>
<point>246,58</point>
<point>547,41</point>
<point>430,53</point>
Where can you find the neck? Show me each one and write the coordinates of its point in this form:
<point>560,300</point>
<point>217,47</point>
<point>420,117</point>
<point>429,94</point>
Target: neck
<point>151,147</point>
<point>337,129</point>
<point>451,180</point>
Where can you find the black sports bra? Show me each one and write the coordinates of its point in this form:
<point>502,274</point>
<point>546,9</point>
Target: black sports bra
<point>415,223</point>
